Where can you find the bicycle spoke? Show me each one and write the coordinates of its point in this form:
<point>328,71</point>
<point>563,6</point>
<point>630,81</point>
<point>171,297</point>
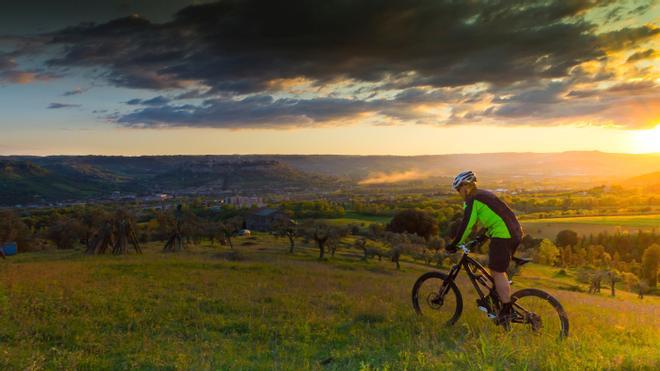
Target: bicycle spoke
<point>432,304</point>
<point>536,316</point>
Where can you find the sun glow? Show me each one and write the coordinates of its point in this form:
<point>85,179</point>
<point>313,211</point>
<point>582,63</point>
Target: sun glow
<point>645,141</point>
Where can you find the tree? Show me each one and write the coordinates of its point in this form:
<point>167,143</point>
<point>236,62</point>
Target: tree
<point>396,242</point>
<point>547,253</point>
<point>642,288</point>
<point>175,242</point>
<point>287,228</point>
<point>12,228</point>
<point>90,219</point>
<point>230,227</point>
<point>320,233</point>
<point>64,232</point>
<point>361,243</point>
<point>530,243</point>
<point>566,237</point>
<point>436,244</point>
<point>650,262</point>
<point>614,277</point>
<point>414,221</point>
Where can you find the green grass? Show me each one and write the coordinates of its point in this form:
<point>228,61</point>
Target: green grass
<point>358,219</point>
<point>623,220</point>
<point>548,228</point>
<point>262,308</point>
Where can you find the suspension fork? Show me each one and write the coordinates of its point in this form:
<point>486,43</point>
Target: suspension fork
<point>453,273</point>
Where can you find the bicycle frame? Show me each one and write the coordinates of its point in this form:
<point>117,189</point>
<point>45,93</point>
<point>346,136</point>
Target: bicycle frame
<point>477,274</point>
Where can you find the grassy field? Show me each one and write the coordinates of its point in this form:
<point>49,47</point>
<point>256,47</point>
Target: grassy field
<point>260,308</point>
<point>358,219</point>
<point>592,224</point>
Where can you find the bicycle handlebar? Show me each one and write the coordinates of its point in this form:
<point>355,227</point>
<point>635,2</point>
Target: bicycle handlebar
<point>478,240</point>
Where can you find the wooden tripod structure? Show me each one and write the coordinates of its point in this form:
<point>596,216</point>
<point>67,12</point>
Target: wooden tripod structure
<point>115,234</point>
<point>175,242</point>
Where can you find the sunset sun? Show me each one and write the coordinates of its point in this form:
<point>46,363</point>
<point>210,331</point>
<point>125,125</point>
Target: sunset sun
<point>646,141</point>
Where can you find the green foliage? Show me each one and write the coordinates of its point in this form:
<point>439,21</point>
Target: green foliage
<point>547,253</point>
<point>12,228</point>
<point>414,221</point>
<point>566,237</point>
<point>64,232</point>
<point>314,209</point>
<point>650,262</point>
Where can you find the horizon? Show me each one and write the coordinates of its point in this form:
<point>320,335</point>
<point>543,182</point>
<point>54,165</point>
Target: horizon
<point>335,154</point>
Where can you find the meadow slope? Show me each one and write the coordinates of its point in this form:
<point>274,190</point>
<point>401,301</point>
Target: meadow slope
<point>260,308</point>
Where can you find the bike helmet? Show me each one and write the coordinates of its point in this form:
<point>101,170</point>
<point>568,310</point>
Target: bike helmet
<point>464,177</point>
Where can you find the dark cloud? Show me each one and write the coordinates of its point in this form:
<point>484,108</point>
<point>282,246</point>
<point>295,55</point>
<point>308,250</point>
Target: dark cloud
<point>628,37</point>
<point>76,91</point>
<point>62,105</point>
<point>156,101</point>
<point>627,89</point>
<point>252,112</point>
<point>522,57</point>
<point>638,56</point>
<point>239,46</point>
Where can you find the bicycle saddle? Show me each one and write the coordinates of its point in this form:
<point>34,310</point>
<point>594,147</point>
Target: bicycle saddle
<point>521,261</point>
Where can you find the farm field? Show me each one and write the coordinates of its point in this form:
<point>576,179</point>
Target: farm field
<point>591,224</point>
<point>258,307</point>
<point>357,218</point>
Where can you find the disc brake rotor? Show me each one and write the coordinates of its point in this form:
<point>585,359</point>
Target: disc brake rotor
<point>434,300</point>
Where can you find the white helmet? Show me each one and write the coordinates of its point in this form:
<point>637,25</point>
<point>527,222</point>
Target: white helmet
<point>464,177</point>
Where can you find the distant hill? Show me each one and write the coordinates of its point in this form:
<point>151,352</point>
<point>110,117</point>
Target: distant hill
<point>26,179</point>
<point>24,182</point>
<point>649,182</point>
<point>496,164</point>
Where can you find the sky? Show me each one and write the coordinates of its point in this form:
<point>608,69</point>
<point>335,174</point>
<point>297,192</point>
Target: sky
<point>143,77</point>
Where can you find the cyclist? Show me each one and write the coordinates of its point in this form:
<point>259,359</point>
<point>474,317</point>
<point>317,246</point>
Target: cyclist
<point>501,226</point>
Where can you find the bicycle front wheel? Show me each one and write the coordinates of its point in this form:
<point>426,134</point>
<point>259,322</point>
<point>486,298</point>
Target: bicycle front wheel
<point>540,313</point>
<point>433,297</point>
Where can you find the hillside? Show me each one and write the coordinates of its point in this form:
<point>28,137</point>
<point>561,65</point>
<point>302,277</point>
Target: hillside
<point>25,182</point>
<point>260,308</point>
<point>52,178</point>
<point>649,182</point>
<point>565,164</point>
<point>35,179</point>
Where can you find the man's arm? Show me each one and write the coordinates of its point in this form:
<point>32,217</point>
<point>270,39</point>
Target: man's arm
<point>469,218</point>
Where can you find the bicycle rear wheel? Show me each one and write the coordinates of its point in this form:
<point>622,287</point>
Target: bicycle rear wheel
<point>429,301</point>
<point>539,313</point>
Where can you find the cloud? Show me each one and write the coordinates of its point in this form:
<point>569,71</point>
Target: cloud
<point>638,56</point>
<point>300,63</point>
<point>444,43</point>
<point>9,72</point>
<point>76,91</point>
<point>156,101</point>
<point>252,112</point>
<point>62,105</point>
<point>628,37</point>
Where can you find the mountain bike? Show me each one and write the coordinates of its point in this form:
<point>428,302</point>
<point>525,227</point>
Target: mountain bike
<point>435,294</point>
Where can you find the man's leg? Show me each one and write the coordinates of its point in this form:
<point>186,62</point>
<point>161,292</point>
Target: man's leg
<point>502,286</point>
<point>499,256</point>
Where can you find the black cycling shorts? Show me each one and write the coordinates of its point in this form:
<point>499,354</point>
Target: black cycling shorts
<point>500,252</point>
